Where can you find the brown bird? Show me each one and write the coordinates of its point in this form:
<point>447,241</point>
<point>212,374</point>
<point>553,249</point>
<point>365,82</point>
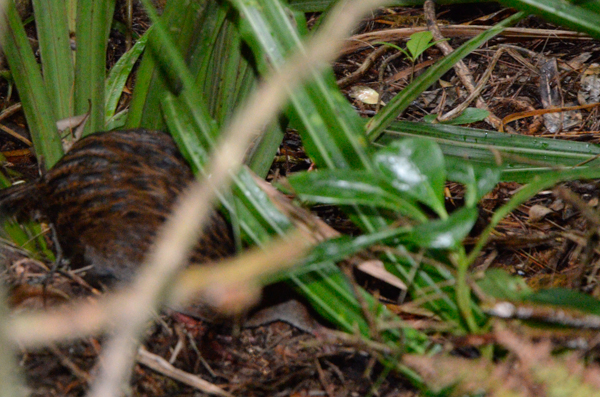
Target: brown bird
<point>108,196</point>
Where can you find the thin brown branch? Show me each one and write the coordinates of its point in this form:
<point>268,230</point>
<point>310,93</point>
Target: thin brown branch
<point>460,68</point>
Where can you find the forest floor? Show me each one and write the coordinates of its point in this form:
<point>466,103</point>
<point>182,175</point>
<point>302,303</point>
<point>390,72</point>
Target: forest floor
<point>546,240</point>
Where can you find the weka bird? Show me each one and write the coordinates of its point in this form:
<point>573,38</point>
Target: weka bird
<point>108,196</point>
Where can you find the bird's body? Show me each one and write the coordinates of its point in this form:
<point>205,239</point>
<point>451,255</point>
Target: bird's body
<point>108,196</point>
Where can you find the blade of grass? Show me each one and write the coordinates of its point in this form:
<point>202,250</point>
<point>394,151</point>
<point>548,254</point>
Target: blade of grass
<point>32,91</point>
<point>94,18</point>
<point>27,235</point>
<point>260,157</point>
<point>535,155</point>
<point>55,52</point>
<point>163,68</point>
<point>572,14</point>
<point>316,107</point>
<point>218,62</point>
<point>227,78</point>
<point>120,73</point>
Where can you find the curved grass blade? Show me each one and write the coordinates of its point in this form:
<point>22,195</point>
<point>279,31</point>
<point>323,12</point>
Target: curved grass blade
<point>536,184</point>
<point>119,74</point>
<point>577,15</point>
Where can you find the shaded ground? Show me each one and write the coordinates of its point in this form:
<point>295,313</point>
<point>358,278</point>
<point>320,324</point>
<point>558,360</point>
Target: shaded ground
<point>273,359</point>
<point>547,241</point>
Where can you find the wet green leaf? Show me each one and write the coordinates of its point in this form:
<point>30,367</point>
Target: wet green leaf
<point>501,285</point>
<point>416,168</point>
<point>478,178</point>
<point>418,43</point>
<point>346,187</point>
<point>447,233</point>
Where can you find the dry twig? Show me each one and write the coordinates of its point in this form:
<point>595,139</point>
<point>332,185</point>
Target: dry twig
<point>162,366</point>
<point>460,68</point>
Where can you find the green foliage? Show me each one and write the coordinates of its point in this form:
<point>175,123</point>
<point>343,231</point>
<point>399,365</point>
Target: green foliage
<point>582,16</point>
<point>383,173</point>
<point>415,168</point>
<point>417,44</point>
<point>408,176</point>
<point>25,234</point>
<point>117,79</point>
<point>94,19</point>
<point>524,157</point>
<point>503,286</point>
<point>325,286</point>
<point>341,187</point>
<point>37,104</point>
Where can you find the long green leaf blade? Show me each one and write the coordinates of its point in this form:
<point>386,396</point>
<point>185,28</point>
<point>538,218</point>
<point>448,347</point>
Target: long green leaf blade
<point>120,73</point>
<point>164,69</point>
<point>573,14</point>
<point>343,187</point>
<point>34,97</point>
<point>56,55</point>
<point>94,19</point>
<point>317,108</point>
<point>525,157</point>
